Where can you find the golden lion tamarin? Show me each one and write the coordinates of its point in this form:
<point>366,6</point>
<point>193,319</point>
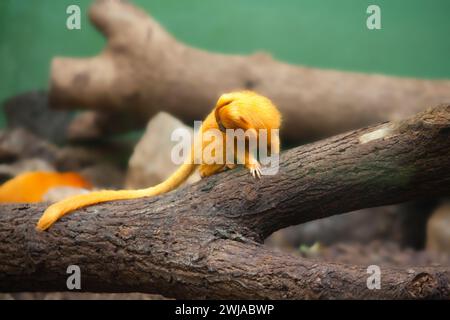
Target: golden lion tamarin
<point>244,110</point>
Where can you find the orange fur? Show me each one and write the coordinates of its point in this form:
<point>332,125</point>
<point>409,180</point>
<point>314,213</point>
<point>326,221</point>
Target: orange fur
<point>32,186</point>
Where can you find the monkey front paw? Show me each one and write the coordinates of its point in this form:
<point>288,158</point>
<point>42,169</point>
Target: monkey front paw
<point>255,170</point>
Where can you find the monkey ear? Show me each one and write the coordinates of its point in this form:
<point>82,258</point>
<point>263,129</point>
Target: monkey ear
<point>224,99</point>
<point>232,117</point>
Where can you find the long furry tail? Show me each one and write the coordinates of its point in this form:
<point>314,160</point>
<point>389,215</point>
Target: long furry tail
<point>61,208</point>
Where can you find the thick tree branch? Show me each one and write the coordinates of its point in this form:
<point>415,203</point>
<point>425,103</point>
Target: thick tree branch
<point>204,240</point>
<point>143,70</point>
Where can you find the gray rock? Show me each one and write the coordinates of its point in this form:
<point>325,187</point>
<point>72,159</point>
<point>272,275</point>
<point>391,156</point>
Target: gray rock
<point>151,160</point>
<point>8,171</point>
<point>22,151</point>
<point>104,176</point>
<point>438,230</point>
<point>19,143</point>
<point>31,111</point>
<point>61,193</point>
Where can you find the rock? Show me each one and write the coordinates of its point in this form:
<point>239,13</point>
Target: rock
<point>96,125</point>
<point>31,111</point>
<point>61,193</point>
<point>75,158</point>
<point>104,176</point>
<point>93,163</point>
<point>79,156</point>
<point>8,171</point>
<point>87,126</point>
<point>438,230</point>
<point>22,151</point>
<point>19,143</point>
<point>151,160</point>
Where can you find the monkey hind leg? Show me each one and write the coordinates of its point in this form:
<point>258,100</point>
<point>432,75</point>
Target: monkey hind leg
<point>207,170</point>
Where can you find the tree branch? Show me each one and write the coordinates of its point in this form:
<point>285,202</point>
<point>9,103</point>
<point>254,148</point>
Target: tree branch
<point>204,240</point>
<point>143,70</point>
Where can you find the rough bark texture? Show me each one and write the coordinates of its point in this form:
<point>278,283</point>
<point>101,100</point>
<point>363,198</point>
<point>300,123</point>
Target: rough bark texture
<point>204,240</point>
<point>143,70</point>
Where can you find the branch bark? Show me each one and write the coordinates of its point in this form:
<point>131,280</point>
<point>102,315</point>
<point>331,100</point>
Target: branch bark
<point>143,70</point>
<point>205,240</point>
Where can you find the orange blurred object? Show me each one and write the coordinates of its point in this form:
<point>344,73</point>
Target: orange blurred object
<point>32,186</point>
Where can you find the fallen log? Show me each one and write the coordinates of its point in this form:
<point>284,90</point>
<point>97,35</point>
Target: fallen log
<point>205,240</point>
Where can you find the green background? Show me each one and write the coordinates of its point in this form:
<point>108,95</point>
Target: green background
<point>414,40</point>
